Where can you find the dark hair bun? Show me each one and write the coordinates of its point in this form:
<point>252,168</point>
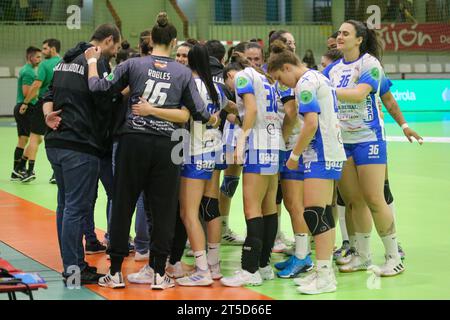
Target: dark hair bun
<point>278,46</point>
<point>162,20</point>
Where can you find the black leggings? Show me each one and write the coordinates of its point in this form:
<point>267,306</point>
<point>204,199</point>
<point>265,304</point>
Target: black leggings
<point>143,163</point>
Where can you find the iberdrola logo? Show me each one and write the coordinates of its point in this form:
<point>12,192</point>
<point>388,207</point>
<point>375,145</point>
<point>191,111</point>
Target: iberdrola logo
<point>242,82</point>
<point>306,97</point>
<point>375,73</point>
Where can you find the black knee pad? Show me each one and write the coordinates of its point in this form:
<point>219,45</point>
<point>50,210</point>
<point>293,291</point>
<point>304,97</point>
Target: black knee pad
<point>316,220</point>
<point>329,216</point>
<point>387,193</point>
<point>279,193</point>
<point>229,185</point>
<point>209,209</point>
<point>340,201</point>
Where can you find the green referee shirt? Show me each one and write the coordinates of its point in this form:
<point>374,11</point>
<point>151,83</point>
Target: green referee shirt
<point>45,73</point>
<point>27,75</point>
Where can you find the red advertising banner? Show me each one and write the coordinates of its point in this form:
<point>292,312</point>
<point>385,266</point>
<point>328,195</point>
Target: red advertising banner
<point>415,37</point>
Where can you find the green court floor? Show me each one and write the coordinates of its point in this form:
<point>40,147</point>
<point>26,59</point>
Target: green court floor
<point>420,182</point>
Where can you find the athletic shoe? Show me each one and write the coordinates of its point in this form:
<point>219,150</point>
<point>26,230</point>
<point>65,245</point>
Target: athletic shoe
<point>230,238</point>
<point>28,177</point>
<point>401,252</point>
<point>199,278</point>
<point>87,276</point>
<point>94,248</point>
<point>296,267</point>
<point>138,257</point>
<point>145,276</point>
<point>91,269</point>
<point>189,253</point>
<point>390,268</point>
<point>15,176</point>
<point>267,273</point>
<point>215,271</point>
<point>356,264</point>
<point>289,251</point>
<point>52,179</point>
<point>112,281</point>
<point>284,264</point>
<point>279,246</point>
<point>323,282</point>
<point>178,271</point>
<point>242,278</point>
<point>306,280</point>
<point>342,250</point>
<point>162,282</point>
<point>346,258</point>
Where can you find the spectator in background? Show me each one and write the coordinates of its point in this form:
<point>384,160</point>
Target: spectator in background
<point>331,42</point>
<point>309,60</point>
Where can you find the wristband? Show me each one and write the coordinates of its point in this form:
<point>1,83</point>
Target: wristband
<point>294,157</point>
<point>404,126</point>
<point>92,60</point>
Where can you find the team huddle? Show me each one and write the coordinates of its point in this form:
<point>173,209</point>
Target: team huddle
<point>312,140</point>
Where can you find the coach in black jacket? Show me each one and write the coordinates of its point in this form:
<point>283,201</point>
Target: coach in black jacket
<point>81,122</point>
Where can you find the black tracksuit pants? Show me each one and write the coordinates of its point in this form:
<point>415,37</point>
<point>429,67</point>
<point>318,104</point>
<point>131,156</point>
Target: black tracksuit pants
<point>143,163</point>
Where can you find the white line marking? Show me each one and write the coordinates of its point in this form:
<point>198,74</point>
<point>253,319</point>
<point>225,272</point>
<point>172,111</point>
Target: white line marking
<point>425,139</point>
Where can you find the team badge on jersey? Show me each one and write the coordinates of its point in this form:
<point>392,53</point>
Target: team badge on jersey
<point>242,82</point>
<point>375,73</point>
<point>306,97</point>
<point>110,77</point>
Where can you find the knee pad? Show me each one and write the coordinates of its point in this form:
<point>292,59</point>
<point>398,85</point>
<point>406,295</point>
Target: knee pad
<point>387,193</point>
<point>316,220</point>
<point>229,185</point>
<point>279,193</point>
<point>340,201</point>
<point>329,216</point>
<point>209,209</point>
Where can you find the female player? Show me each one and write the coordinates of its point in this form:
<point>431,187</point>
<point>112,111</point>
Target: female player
<point>183,52</point>
<point>146,138</point>
<point>258,146</point>
<point>358,78</point>
<point>323,158</point>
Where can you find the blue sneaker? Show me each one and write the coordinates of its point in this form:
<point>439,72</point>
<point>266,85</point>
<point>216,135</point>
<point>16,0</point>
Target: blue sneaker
<point>284,264</point>
<point>296,267</point>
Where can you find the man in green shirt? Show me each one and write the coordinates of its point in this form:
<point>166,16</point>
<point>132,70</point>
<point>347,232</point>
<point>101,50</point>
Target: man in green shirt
<point>50,51</point>
<point>27,75</point>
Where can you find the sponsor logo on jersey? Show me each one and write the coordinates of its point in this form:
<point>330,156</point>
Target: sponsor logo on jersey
<point>160,64</point>
<point>242,82</point>
<point>110,77</point>
<point>375,73</point>
<point>306,97</point>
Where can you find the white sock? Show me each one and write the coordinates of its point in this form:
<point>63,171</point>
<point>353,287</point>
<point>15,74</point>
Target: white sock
<point>200,260</point>
<point>363,240</point>
<point>393,210</point>
<point>224,222</point>
<point>391,246</point>
<point>342,225</point>
<point>321,264</point>
<point>301,245</point>
<point>213,253</point>
<point>353,242</point>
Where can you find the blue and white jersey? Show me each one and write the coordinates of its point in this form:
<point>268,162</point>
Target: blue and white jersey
<point>360,122</point>
<point>266,133</point>
<point>315,94</point>
<point>286,94</point>
<point>205,139</point>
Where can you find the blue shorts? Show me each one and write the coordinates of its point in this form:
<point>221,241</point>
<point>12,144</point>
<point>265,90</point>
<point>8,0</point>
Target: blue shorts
<point>327,170</point>
<point>367,152</point>
<point>199,167</point>
<point>265,162</point>
<point>286,173</point>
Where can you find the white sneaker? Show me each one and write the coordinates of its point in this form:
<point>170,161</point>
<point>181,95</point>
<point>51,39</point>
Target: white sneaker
<point>231,239</point>
<point>176,270</point>
<point>356,264</point>
<point>189,253</point>
<point>243,278</point>
<point>162,282</point>
<point>346,258</point>
<point>112,281</point>
<point>215,271</point>
<point>279,246</point>
<point>323,282</point>
<point>306,280</point>
<point>267,273</point>
<point>198,279</point>
<point>145,276</point>
<point>390,268</point>
<point>141,257</point>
